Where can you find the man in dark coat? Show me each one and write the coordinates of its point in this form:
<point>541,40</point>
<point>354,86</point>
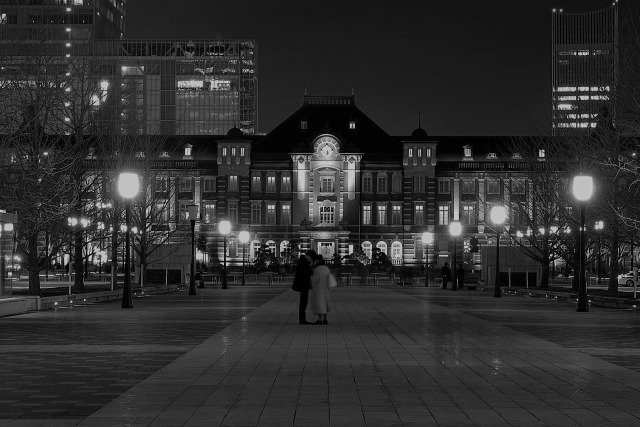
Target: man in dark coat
<point>302,284</point>
<point>446,275</point>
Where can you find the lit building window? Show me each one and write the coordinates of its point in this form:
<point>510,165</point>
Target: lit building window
<point>327,215</point>
<point>396,215</point>
<point>209,213</point>
<point>382,215</point>
<point>443,214</point>
<point>187,150</point>
<point>366,215</point>
<point>367,248</point>
<point>271,184</point>
<point>286,214</point>
<point>541,153</point>
<point>326,184</point>
<point>418,217</point>
<point>468,215</point>
<point>396,251</point>
<point>352,124</point>
<point>382,246</point>
<point>419,152</point>
<point>271,213</point>
<point>410,152</point>
<point>241,151</point>
<point>233,182</point>
<point>255,184</point>
<point>286,184</point>
<point>233,151</point>
<point>467,152</point>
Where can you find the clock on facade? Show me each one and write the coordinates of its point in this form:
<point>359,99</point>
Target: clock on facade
<point>326,145</point>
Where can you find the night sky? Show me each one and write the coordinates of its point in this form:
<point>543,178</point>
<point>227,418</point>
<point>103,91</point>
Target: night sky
<point>471,67</point>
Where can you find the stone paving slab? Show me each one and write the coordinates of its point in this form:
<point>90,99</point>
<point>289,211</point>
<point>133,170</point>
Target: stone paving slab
<point>388,357</point>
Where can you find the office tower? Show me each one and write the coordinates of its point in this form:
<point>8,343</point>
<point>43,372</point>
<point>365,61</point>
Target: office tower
<point>584,67</point>
<point>66,20</point>
<point>181,87</point>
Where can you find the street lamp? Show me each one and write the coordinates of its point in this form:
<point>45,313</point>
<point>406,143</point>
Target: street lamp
<point>599,227</point>
<point>224,228</point>
<point>193,216</point>
<point>455,229</point>
<point>498,216</point>
<point>243,236</point>
<point>582,190</point>
<point>427,239</point>
<point>128,187</point>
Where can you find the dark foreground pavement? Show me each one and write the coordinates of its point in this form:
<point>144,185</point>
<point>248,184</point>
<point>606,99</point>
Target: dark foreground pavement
<point>390,356</point>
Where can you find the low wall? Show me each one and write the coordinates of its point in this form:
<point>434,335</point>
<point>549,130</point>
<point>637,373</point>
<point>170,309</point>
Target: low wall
<point>10,306</point>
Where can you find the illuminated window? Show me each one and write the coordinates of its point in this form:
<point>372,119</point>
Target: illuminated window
<point>286,214</point>
<point>286,184</point>
<point>418,216</point>
<point>241,151</point>
<point>326,215</point>
<point>443,214</point>
<point>396,250</point>
<point>326,184</point>
<point>233,151</point>
<point>233,182</point>
<point>382,182</point>
<point>271,213</point>
<point>209,183</point>
<point>468,216</point>
<point>493,186</point>
<point>419,152</point>
<point>419,184</point>
<point>467,152</point>
<point>366,215</point>
<point>410,152</point>
<point>256,213</point>
<point>396,215</point>
<point>444,186</point>
<point>224,151</point>
<point>382,215</point>
<point>428,152</point>
<point>209,213</point>
<point>382,246</point>
<point>366,248</point>
<point>255,184</point>
<point>271,184</point>
<point>352,124</point>
<point>187,150</point>
<point>541,153</point>
<point>366,184</point>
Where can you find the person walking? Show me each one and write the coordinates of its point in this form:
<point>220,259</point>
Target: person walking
<point>320,297</point>
<point>446,275</point>
<point>302,284</point>
<point>460,276</point>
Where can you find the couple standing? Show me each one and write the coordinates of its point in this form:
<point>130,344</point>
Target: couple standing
<point>312,274</point>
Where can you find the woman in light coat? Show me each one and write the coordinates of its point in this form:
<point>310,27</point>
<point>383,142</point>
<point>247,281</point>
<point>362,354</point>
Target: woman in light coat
<point>320,297</point>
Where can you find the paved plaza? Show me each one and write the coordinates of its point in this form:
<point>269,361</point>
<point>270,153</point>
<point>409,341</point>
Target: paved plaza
<point>389,356</point>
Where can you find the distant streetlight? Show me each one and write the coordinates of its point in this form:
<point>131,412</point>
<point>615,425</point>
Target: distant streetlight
<point>599,227</point>
<point>243,236</point>
<point>193,216</point>
<point>455,229</point>
<point>582,191</point>
<point>128,187</point>
<point>427,239</point>
<point>224,228</point>
<point>498,216</point>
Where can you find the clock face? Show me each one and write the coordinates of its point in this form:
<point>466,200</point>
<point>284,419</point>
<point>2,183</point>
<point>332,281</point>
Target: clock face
<point>326,145</point>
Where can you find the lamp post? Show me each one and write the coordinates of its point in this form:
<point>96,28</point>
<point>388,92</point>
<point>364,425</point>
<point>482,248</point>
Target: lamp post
<point>599,227</point>
<point>224,228</point>
<point>128,187</point>
<point>582,191</point>
<point>193,216</point>
<point>427,239</point>
<point>243,236</point>
<point>455,228</point>
<point>498,216</point>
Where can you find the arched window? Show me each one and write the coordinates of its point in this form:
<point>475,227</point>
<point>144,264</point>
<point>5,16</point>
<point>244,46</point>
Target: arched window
<point>272,247</point>
<point>396,250</point>
<point>284,247</point>
<point>255,248</point>
<point>366,247</point>
<point>382,246</point>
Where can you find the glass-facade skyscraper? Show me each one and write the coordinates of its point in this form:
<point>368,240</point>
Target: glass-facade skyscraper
<point>584,67</point>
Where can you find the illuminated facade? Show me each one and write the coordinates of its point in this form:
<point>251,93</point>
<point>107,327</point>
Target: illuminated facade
<point>584,66</point>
